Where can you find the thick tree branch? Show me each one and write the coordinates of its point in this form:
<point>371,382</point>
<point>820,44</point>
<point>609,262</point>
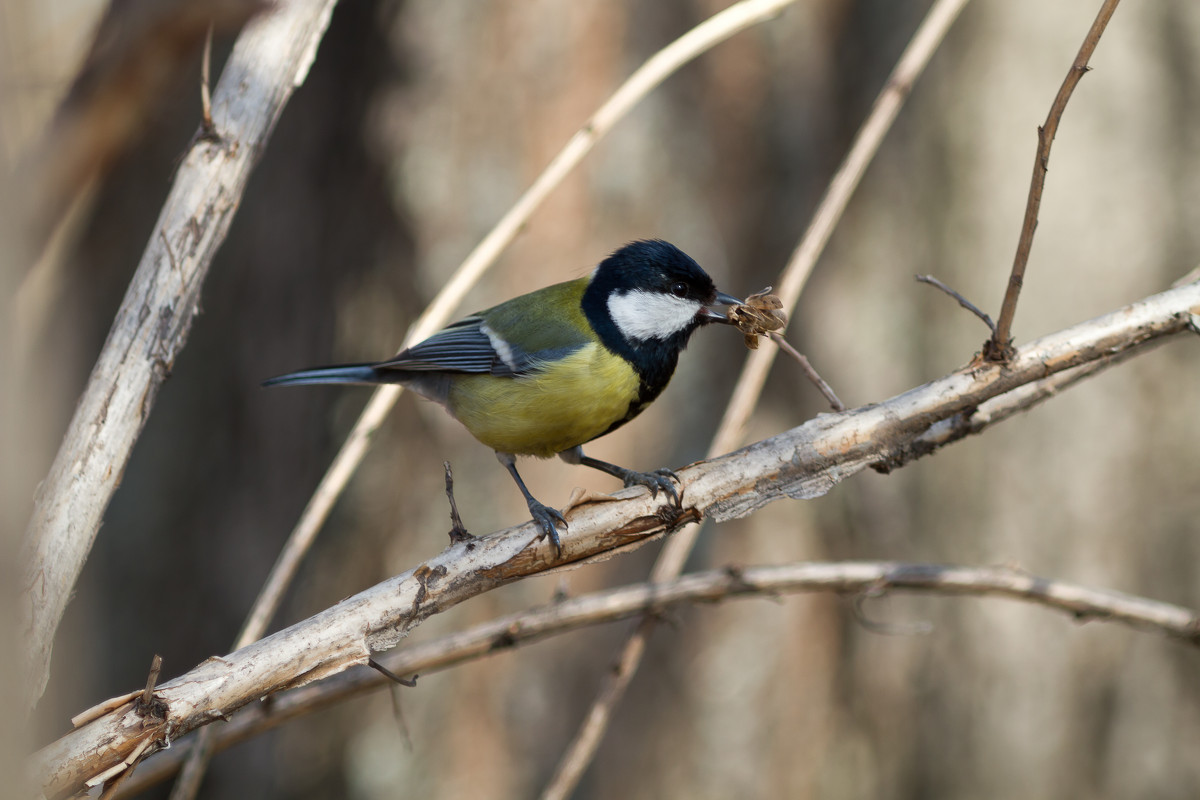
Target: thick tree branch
<point>270,59</point>
<point>717,585</point>
<point>802,463</point>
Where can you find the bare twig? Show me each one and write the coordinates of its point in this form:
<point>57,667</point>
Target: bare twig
<point>962,301</point>
<point>144,702</point>
<point>809,372</point>
<point>999,347</point>
<point>526,627</point>
<point>154,319</point>
<point>391,676</point>
<point>745,395</point>
<point>207,129</point>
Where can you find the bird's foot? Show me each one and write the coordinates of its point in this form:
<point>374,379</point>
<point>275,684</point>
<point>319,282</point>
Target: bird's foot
<point>663,479</point>
<point>548,520</point>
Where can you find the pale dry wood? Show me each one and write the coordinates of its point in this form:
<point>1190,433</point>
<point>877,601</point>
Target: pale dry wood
<point>802,463</point>
<point>102,708</point>
<point>270,59</point>
<point>859,578</point>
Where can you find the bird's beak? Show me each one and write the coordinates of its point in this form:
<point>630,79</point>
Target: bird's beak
<point>708,315</point>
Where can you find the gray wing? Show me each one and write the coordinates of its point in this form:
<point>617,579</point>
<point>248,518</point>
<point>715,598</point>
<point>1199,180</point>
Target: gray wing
<point>462,347</point>
<point>470,346</point>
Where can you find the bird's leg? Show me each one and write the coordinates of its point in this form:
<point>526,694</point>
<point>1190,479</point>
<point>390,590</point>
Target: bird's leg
<point>544,517</point>
<point>663,479</point>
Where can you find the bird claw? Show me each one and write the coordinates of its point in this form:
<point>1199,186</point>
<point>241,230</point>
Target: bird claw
<point>663,479</point>
<point>548,520</point>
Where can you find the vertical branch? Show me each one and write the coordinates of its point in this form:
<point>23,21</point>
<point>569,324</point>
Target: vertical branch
<point>999,347</point>
<point>270,60</point>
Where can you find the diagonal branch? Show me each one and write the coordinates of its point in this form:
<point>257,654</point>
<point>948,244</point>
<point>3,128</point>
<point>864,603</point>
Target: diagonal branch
<point>671,560</point>
<point>270,59</point>
<point>533,625</point>
<point>999,347</point>
<point>802,463</point>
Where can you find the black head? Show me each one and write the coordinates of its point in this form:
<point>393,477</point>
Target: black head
<point>645,300</point>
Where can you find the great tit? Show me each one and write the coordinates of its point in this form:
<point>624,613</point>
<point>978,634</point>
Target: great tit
<point>549,371</point>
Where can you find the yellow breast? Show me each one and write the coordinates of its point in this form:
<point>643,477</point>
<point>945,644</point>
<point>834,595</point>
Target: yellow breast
<point>571,402</point>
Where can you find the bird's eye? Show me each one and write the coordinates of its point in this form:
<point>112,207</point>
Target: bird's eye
<point>679,289</point>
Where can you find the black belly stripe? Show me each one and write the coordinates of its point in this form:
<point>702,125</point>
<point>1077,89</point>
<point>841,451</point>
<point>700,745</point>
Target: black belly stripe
<point>646,395</point>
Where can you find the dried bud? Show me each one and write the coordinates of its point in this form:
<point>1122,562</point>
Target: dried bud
<point>759,315</point>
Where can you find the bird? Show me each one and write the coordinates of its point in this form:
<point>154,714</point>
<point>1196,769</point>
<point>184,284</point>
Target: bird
<point>547,372</point>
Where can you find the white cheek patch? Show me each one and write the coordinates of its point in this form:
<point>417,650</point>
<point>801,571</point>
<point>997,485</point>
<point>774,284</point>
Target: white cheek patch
<point>643,315</point>
<point>503,349</point>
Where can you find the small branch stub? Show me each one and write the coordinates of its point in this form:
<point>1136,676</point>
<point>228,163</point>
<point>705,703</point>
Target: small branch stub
<point>458,531</point>
<point>147,704</point>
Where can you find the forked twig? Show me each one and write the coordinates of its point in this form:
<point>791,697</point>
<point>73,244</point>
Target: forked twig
<point>999,347</point>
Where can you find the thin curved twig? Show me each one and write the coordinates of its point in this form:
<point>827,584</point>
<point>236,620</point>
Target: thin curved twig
<point>962,301</point>
<point>749,386</point>
<point>717,585</point>
<point>824,388</point>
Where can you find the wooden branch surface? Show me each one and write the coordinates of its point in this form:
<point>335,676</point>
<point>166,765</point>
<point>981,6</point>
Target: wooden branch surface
<point>802,463</point>
<point>526,627</point>
<point>270,59</point>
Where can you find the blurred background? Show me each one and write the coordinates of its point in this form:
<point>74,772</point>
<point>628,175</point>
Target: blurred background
<point>419,125</point>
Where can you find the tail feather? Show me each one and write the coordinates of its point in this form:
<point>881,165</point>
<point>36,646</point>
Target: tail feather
<point>363,374</point>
